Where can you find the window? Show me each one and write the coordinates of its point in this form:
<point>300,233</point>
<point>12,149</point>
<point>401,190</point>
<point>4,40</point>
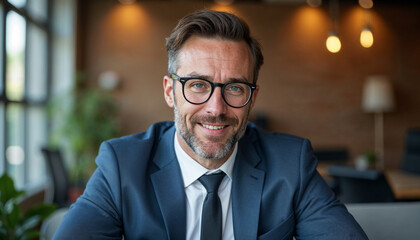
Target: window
<point>24,87</point>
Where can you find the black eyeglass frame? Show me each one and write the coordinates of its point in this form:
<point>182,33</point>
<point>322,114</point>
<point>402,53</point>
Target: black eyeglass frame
<point>213,85</point>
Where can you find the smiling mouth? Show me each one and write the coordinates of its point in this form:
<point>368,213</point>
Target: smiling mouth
<point>212,127</point>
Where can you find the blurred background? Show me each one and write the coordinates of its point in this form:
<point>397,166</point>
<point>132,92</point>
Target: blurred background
<point>75,73</point>
<point>343,73</point>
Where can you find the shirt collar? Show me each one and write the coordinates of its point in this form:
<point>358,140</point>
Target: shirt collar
<point>192,170</point>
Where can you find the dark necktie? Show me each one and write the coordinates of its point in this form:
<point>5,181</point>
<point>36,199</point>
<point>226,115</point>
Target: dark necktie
<point>211,220</point>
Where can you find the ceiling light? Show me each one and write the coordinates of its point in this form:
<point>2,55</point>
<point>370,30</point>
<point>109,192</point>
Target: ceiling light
<point>366,37</point>
<point>366,3</point>
<point>314,3</point>
<point>224,2</point>
<point>127,1</point>
<point>333,43</point>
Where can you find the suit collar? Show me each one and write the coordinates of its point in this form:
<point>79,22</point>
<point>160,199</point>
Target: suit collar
<point>169,187</point>
<point>165,151</point>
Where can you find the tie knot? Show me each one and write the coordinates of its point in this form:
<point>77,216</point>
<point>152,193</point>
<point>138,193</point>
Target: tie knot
<point>211,182</point>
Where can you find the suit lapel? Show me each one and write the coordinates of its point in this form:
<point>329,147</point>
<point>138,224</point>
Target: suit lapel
<point>246,192</point>
<point>169,187</point>
<point>247,189</point>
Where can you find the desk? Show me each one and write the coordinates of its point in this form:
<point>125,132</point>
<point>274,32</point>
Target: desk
<point>404,185</point>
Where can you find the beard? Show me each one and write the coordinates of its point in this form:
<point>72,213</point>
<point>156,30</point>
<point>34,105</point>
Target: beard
<point>216,149</point>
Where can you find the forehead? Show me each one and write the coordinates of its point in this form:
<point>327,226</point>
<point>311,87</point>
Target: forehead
<point>215,57</point>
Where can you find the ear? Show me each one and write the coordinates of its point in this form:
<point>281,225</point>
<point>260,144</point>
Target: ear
<point>254,96</point>
<point>168,91</point>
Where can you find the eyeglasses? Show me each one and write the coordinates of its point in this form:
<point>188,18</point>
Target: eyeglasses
<point>197,91</point>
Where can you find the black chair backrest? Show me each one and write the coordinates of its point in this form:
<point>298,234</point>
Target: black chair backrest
<point>411,160</point>
<point>333,154</point>
<point>360,186</point>
<point>59,175</point>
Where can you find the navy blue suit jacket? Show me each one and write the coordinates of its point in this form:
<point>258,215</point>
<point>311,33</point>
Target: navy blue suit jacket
<point>138,191</point>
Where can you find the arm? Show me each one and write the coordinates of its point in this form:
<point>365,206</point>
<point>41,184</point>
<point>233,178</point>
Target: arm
<point>96,214</point>
<point>319,215</point>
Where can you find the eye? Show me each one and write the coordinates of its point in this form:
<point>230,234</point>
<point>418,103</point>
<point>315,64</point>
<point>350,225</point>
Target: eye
<point>197,85</point>
<point>235,88</point>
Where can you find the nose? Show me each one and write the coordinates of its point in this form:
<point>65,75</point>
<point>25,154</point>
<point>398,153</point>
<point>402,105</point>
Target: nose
<point>216,105</point>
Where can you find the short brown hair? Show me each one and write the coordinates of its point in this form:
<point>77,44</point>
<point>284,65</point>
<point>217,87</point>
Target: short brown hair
<point>208,23</point>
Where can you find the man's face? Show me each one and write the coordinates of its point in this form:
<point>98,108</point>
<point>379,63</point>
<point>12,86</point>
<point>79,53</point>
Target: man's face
<point>208,132</point>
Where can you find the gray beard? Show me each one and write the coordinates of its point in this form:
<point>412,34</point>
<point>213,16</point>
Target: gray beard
<point>197,146</point>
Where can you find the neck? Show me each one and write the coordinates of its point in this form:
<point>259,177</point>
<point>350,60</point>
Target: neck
<point>207,163</point>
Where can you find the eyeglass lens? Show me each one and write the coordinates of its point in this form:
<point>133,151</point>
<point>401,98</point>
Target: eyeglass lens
<point>198,91</point>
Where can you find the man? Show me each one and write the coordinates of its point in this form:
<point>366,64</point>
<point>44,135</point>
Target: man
<point>155,185</point>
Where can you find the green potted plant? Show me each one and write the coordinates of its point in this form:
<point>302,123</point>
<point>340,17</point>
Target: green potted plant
<point>88,117</point>
<point>14,224</point>
<point>371,157</point>
<point>366,160</point>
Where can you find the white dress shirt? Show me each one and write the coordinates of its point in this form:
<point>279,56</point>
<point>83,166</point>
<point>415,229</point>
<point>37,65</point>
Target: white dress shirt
<point>196,193</point>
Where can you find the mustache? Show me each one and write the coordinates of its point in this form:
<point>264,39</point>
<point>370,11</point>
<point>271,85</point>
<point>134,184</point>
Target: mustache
<point>220,119</point>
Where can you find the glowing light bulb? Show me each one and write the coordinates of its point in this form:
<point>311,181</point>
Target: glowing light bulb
<point>366,37</point>
<point>15,155</point>
<point>333,43</point>
<point>224,2</point>
<point>126,1</point>
<point>366,3</point>
<point>314,3</point>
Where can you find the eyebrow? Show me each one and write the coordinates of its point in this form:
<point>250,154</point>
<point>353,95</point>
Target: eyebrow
<point>206,77</point>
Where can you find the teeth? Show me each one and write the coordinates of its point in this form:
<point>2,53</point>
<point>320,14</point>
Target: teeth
<point>213,127</point>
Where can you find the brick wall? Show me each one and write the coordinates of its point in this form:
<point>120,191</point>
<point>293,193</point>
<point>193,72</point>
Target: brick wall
<point>305,90</point>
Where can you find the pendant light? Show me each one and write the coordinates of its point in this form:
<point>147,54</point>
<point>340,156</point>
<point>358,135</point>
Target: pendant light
<point>333,42</point>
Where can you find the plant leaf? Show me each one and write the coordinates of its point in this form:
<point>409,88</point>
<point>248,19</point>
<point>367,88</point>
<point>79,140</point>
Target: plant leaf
<point>7,189</point>
<point>3,232</point>
<point>14,216</point>
<point>42,211</point>
<point>29,234</point>
<point>34,215</point>
<point>27,224</point>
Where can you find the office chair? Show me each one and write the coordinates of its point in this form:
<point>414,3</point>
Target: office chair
<point>411,160</point>
<point>59,176</point>
<point>333,154</point>
<point>360,186</point>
